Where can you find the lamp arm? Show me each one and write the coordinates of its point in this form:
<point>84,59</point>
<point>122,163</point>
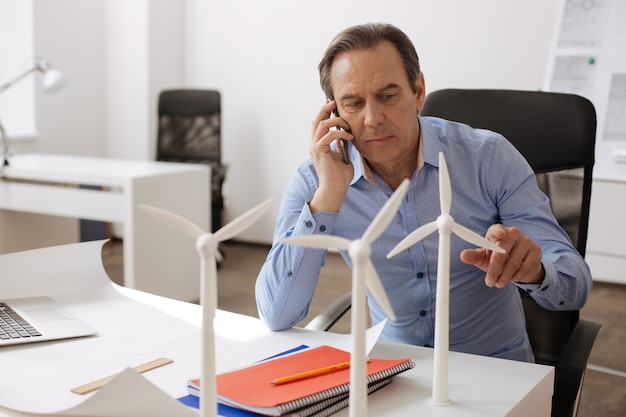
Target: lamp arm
<point>9,83</point>
<point>5,147</point>
<point>3,136</point>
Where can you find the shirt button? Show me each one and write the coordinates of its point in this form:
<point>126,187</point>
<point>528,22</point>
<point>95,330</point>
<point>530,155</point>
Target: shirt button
<point>308,223</point>
<point>322,228</point>
<point>545,288</point>
<point>289,273</point>
<point>420,275</point>
<point>423,313</point>
<point>561,303</point>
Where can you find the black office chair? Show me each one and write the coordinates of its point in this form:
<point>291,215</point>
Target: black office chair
<point>189,130</point>
<point>556,134</point>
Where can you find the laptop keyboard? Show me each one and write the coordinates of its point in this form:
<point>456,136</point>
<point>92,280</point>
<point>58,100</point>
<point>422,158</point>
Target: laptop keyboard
<point>13,326</point>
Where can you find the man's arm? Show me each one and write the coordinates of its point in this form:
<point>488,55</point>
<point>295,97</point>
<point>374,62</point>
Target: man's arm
<point>539,256</point>
<point>287,280</point>
<point>311,204</point>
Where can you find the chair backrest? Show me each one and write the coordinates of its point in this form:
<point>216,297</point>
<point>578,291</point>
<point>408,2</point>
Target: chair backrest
<point>189,126</point>
<point>556,134</point>
<point>189,130</point>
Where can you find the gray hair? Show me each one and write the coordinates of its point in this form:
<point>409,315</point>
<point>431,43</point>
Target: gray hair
<point>368,36</point>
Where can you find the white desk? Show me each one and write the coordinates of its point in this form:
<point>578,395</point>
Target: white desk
<point>40,200</point>
<point>478,386</point>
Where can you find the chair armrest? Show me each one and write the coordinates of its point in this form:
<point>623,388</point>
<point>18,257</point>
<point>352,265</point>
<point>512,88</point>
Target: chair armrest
<point>332,313</point>
<point>572,365</point>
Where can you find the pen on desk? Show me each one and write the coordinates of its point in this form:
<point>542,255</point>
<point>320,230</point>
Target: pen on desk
<point>311,373</point>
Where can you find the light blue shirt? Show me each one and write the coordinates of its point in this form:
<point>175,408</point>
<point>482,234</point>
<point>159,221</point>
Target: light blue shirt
<point>491,183</point>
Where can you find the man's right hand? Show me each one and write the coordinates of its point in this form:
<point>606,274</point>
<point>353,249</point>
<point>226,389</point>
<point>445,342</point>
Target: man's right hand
<point>334,175</point>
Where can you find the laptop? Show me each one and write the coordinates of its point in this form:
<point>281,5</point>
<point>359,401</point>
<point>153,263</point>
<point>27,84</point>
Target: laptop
<point>38,319</point>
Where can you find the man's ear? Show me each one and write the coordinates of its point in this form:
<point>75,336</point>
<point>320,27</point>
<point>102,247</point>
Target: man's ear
<point>420,89</point>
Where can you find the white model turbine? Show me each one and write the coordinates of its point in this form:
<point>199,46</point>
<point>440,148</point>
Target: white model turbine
<point>206,245</point>
<point>445,224</point>
<point>363,272</point>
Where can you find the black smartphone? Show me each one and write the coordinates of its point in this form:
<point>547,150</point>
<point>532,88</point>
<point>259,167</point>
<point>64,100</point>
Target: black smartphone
<point>342,144</point>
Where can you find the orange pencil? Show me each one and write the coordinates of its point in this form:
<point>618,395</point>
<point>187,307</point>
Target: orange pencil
<point>312,373</point>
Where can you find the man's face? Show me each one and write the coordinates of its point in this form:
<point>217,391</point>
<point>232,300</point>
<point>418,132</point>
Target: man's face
<point>374,96</point>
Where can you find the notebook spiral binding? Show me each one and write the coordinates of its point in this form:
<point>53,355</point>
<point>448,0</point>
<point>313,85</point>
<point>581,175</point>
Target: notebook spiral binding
<point>341,404</point>
<point>372,380</point>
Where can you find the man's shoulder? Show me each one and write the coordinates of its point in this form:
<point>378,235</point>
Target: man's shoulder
<point>443,128</point>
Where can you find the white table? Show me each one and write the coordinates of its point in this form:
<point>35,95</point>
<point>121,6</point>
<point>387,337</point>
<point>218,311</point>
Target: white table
<point>40,202</point>
<point>478,386</point>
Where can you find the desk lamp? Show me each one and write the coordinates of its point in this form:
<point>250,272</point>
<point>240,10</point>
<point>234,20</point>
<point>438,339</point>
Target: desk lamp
<point>206,245</point>
<point>445,224</point>
<point>363,272</point>
<point>51,82</point>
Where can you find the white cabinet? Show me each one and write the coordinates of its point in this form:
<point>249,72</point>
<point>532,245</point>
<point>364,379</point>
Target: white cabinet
<point>157,258</point>
<point>606,243</point>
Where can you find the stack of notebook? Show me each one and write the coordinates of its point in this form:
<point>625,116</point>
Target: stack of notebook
<point>291,385</point>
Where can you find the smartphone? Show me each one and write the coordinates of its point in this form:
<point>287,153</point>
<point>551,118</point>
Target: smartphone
<point>342,144</point>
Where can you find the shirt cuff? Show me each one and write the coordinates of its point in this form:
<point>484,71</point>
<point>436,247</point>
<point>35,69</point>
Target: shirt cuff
<point>549,280</point>
<point>322,222</point>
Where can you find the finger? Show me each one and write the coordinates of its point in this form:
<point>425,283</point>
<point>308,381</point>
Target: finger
<point>531,269</point>
<point>326,123</point>
<point>521,264</point>
<point>503,270</point>
<point>479,257</point>
<point>497,234</point>
<point>324,114</point>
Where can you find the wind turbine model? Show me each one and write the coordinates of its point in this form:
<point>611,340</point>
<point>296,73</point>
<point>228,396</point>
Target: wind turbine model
<point>445,224</point>
<point>206,245</point>
<point>362,272</point>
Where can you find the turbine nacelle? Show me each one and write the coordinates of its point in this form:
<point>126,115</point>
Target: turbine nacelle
<point>359,250</point>
<point>207,244</point>
<point>445,223</point>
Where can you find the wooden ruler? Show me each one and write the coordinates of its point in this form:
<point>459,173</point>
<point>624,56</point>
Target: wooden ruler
<point>145,367</point>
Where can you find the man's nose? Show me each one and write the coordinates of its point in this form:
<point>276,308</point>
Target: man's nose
<point>373,115</point>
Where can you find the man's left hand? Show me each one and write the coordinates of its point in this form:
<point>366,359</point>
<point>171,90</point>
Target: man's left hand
<point>521,263</point>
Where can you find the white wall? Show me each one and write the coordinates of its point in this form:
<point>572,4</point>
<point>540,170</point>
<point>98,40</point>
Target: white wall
<point>143,55</point>
<point>117,55</point>
<point>70,121</point>
<point>127,78</point>
<point>263,56</point>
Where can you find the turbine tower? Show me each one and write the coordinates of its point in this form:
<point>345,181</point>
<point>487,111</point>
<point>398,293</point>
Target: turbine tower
<point>363,272</point>
<point>445,224</point>
<point>206,245</point>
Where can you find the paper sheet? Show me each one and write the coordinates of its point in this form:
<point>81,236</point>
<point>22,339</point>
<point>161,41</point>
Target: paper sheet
<point>130,395</point>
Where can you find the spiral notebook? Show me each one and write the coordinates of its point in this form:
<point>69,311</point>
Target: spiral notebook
<point>251,388</point>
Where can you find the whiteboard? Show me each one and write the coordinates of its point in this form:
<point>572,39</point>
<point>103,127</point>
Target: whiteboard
<point>589,59</point>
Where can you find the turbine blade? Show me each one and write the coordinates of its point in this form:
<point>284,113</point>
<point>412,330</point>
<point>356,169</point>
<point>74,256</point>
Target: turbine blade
<point>244,221</point>
<point>473,237</point>
<point>386,213</point>
<point>414,237</point>
<point>318,242</point>
<point>176,221</point>
<point>445,189</point>
<point>378,291</point>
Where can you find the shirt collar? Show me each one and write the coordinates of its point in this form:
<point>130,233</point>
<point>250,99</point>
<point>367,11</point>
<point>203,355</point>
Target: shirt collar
<point>361,169</point>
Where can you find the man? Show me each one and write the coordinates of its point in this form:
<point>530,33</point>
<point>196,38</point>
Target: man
<point>371,76</point>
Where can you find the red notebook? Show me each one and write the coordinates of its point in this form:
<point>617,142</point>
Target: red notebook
<point>251,388</point>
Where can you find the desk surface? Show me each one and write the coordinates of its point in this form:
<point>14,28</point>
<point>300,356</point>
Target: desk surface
<point>143,327</point>
<point>90,170</point>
